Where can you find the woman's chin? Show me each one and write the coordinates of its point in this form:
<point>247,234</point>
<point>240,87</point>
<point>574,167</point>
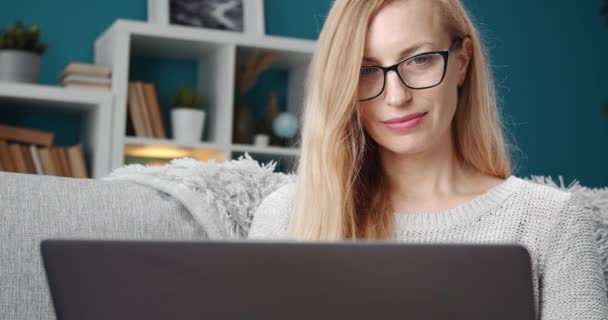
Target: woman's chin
<point>402,148</point>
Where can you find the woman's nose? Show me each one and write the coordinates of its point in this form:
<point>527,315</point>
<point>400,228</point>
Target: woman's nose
<point>395,92</point>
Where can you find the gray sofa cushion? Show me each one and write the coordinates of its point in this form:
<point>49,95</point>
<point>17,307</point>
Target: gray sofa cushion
<point>33,208</point>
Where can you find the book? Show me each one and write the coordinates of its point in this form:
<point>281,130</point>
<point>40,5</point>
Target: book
<point>87,69</point>
<point>29,163</point>
<point>57,162</point>
<point>64,162</point>
<point>5,157</point>
<point>17,134</point>
<point>152,102</point>
<point>77,163</point>
<point>86,79</point>
<point>134,111</point>
<point>36,159</point>
<point>18,160</point>
<point>47,161</point>
<point>144,109</point>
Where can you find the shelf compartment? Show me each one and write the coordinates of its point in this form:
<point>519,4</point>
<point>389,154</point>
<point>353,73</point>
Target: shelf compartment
<point>95,108</point>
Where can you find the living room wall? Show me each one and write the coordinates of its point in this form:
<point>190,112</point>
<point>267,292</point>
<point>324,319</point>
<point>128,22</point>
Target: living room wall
<point>548,57</point>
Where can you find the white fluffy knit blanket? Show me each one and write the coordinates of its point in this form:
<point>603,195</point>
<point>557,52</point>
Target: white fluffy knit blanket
<point>223,197</point>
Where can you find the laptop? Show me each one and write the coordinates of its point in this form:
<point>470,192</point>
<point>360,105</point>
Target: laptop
<point>229,280</point>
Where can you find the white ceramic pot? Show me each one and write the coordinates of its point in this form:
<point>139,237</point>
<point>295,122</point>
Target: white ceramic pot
<point>261,140</point>
<point>187,124</point>
<point>19,66</point>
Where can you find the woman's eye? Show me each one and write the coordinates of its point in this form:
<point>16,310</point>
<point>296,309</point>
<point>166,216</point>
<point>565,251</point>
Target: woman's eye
<point>368,71</point>
<point>420,60</point>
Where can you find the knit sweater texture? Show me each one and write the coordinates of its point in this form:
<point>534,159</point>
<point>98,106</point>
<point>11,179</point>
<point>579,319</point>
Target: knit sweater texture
<point>567,277</point>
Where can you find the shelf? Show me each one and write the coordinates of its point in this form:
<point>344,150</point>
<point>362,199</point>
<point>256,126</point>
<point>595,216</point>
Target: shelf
<point>215,55</point>
<point>279,151</point>
<point>96,106</point>
<point>180,42</point>
<point>67,99</point>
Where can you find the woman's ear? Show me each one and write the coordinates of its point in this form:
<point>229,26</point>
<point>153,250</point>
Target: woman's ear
<point>464,56</point>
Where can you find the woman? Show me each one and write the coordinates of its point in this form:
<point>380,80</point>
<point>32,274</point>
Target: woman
<point>402,140</point>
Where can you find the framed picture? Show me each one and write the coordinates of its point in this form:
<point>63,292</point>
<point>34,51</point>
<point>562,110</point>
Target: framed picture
<point>246,16</point>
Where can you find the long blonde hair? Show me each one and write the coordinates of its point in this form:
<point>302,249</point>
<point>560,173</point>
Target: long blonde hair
<point>339,183</point>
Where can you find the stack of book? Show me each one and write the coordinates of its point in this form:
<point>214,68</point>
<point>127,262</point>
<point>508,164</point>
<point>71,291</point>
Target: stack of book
<point>145,118</point>
<point>87,76</point>
<point>31,151</point>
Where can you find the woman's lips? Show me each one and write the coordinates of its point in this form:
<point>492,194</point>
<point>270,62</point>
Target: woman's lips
<point>407,122</point>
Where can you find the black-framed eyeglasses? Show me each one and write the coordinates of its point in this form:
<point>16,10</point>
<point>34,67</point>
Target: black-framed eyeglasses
<point>421,71</point>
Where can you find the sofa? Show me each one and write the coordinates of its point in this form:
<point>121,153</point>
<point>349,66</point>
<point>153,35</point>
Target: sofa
<point>34,207</point>
<point>127,207</point>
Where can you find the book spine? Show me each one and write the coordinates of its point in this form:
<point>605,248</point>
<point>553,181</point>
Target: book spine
<point>36,159</point>
<point>5,157</point>
<point>29,163</point>
<point>77,162</point>
<point>47,161</point>
<point>87,69</point>
<point>23,135</point>
<point>134,112</point>
<point>57,162</point>
<point>76,78</point>
<point>144,109</point>
<point>65,164</point>
<point>18,160</point>
<point>152,100</point>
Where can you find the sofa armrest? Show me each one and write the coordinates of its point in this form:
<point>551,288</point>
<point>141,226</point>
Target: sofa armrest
<point>34,207</point>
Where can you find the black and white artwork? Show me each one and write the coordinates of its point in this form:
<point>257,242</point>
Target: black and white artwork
<point>213,14</point>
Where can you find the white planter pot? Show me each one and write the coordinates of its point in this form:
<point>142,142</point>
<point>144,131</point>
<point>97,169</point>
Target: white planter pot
<point>261,140</point>
<point>187,124</point>
<point>19,66</point>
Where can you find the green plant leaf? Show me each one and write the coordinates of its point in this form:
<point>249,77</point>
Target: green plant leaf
<point>188,98</point>
<point>21,37</point>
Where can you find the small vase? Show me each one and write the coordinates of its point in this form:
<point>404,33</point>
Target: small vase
<point>187,125</point>
<point>261,140</point>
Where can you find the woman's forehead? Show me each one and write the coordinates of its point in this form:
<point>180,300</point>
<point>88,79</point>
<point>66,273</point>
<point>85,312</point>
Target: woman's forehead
<point>402,25</point>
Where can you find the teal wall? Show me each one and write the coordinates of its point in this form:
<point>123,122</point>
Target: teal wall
<point>550,61</point>
<point>548,57</point>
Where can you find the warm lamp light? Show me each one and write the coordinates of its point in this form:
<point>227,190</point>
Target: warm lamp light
<point>172,152</point>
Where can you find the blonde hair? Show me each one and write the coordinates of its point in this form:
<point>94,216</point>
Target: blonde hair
<point>339,186</point>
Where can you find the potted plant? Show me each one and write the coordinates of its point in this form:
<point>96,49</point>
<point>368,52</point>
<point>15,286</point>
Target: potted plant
<point>20,52</point>
<point>188,116</point>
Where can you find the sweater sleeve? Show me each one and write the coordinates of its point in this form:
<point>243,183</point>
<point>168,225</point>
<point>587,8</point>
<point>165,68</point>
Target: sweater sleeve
<point>572,284</point>
<point>271,218</point>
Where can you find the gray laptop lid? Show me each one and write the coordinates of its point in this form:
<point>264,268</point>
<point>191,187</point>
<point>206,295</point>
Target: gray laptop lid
<point>126,280</point>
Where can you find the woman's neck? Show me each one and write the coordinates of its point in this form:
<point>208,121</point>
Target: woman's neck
<point>436,173</point>
<point>432,181</point>
<point>421,178</point>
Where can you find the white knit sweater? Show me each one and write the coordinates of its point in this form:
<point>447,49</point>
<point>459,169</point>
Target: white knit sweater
<point>567,276</point>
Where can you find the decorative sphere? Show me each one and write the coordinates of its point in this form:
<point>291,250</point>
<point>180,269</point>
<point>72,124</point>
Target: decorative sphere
<point>285,125</point>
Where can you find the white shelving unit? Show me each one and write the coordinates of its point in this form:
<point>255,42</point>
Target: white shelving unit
<point>216,53</point>
<point>95,106</point>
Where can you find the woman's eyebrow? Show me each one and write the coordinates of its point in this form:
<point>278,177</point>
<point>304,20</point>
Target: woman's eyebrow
<point>410,50</point>
<point>405,52</point>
